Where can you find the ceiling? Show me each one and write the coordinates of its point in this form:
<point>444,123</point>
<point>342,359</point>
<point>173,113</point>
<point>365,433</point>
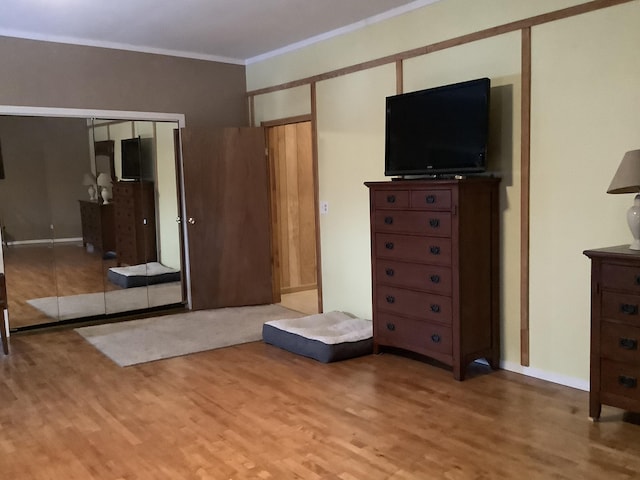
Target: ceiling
<point>234,31</point>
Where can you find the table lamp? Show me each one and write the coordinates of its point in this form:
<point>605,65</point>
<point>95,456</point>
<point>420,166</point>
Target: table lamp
<point>104,181</point>
<point>90,180</point>
<point>627,180</point>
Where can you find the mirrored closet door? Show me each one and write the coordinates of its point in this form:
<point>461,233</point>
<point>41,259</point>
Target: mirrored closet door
<point>88,213</point>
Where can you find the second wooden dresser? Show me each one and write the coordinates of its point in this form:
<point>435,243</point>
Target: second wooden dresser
<point>615,329</point>
<point>135,218</point>
<point>435,268</point>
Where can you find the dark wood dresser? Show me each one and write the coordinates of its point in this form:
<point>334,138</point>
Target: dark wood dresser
<point>135,218</point>
<point>615,329</point>
<point>98,225</point>
<point>435,268</point>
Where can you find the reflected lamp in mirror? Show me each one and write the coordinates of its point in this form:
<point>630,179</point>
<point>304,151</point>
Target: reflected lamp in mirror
<point>89,180</point>
<point>627,180</point>
<point>105,182</point>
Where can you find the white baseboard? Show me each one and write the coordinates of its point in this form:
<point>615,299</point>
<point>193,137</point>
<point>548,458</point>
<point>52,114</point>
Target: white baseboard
<point>45,241</point>
<point>572,382</point>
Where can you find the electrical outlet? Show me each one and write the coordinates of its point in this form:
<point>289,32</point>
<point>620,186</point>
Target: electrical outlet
<point>324,207</point>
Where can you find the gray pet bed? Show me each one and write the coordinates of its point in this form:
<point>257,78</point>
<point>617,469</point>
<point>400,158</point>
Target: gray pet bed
<point>142,275</point>
<point>326,337</point>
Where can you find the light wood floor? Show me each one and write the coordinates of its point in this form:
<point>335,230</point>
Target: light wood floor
<point>257,412</point>
<point>36,271</point>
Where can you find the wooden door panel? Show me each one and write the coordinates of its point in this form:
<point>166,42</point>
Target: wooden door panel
<point>227,214</point>
<point>295,206</point>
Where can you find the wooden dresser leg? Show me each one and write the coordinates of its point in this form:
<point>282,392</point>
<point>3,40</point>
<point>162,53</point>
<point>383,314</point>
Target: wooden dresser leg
<point>595,408</point>
<point>3,307</point>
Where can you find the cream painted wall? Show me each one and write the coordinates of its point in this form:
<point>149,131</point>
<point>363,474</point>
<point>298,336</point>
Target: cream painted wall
<point>282,104</point>
<point>168,228</point>
<point>350,152</point>
<point>586,102</point>
<point>439,21</point>
<point>499,59</point>
<point>585,94</point>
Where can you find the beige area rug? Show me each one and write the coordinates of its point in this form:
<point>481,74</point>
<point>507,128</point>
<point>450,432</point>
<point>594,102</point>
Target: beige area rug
<point>145,340</point>
<point>101,303</point>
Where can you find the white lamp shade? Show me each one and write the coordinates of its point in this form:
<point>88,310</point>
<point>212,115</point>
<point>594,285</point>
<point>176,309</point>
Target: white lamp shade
<point>88,179</point>
<point>104,180</point>
<point>627,180</point>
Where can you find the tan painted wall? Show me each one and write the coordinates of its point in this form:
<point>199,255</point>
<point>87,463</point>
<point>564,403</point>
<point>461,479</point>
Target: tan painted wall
<point>44,161</point>
<point>47,74</point>
<point>585,91</point>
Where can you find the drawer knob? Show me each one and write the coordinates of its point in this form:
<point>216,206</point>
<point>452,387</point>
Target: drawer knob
<point>637,279</point>
<point>389,272</point>
<point>434,223</point>
<point>434,250</point>
<point>391,199</point>
<point>435,338</point>
<point>430,199</point>
<point>435,308</point>
<point>435,278</point>
<point>388,245</point>
<point>627,382</point>
<point>629,309</point>
<point>391,327</point>
<point>388,220</point>
<point>628,343</point>
<point>391,299</point>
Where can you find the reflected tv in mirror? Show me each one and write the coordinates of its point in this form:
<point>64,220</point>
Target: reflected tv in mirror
<point>137,161</point>
<point>442,130</point>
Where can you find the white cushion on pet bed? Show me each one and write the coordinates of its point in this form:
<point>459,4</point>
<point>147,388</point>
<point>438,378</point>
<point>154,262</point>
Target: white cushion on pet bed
<point>326,337</point>
<point>143,274</point>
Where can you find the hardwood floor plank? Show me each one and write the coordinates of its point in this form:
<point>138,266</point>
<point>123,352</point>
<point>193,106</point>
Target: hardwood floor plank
<point>254,411</point>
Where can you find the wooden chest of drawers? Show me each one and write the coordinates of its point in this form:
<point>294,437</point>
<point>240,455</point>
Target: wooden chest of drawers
<point>615,329</point>
<point>434,251</point>
<point>135,219</point>
<point>98,225</point>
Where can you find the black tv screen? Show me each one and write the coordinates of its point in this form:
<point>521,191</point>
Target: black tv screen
<point>440,130</point>
<point>136,159</point>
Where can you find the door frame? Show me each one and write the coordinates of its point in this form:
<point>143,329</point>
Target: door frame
<point>275,251</point>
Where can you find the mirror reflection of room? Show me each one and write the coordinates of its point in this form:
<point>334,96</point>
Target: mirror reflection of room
<point>86,230</point>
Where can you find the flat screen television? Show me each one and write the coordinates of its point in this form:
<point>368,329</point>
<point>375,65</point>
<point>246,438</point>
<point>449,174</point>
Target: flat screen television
<point>136,162</point>
<point>440,130</point>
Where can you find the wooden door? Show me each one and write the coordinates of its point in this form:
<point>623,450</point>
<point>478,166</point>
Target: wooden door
<point>294,205</point>
<point>227,215</point>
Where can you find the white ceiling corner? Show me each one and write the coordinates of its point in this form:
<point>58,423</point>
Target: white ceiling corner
<point>230,31</point>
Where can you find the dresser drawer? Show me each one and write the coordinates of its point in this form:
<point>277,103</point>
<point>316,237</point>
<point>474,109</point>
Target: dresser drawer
<point>416,304</point>
<point>391,199</point>
<point>623,307</point>
<point>414,335</point>
<point>620,379</point>
<point>432,250</point>
<point>437,224</point>
<point>620,277</point>
<point>620,342</point>
<point>431,199</point>
<point>123,189</point>
<point>431,278</point>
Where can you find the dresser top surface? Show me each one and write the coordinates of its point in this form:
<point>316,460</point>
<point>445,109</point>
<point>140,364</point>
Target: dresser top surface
<point>618,251</point>
<point>403,184</point>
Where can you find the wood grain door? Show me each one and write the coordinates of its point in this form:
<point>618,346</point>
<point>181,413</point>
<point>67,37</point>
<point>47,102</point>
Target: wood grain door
<point>294,205</point>
<point>227,215</point>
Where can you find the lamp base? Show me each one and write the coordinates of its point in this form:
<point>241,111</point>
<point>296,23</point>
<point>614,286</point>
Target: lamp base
<point>633,219</point>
